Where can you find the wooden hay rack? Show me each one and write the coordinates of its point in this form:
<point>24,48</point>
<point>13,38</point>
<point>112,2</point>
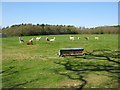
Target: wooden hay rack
<point>71,52</point>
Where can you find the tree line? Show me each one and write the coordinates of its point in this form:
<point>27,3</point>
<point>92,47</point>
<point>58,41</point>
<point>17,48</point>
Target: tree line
<point>45,29</point>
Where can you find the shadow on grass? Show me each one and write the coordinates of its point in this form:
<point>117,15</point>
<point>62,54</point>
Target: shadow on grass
<point>21,84</point>
<point>10,71</point>
<point>79,68</point>
<point>107,54</point>
<point>9,68</point>
<point>68,66</point>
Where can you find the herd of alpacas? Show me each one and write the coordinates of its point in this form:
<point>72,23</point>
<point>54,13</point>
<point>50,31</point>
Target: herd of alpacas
<point>52,40</point>
<point>86,38</point>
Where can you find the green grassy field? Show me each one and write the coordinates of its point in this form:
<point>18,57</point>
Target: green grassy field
<point>38,65</point>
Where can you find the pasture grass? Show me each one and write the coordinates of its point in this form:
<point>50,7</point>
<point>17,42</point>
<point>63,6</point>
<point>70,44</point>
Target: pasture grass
<point>38,65</point>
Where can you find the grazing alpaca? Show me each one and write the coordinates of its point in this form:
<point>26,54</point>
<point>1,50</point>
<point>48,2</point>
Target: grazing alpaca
<point>21,40</point>
<point>86,38</point>
<point>72,38</point>
<point>47,39</point>
<point>38,38</point>
<point>52,39</point>
<point>96,38</point>
<point>78,38</point>
<point>31,40</point>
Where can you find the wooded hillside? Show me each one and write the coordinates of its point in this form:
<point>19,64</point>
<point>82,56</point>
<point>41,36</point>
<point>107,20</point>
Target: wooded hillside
<point>45,29</point>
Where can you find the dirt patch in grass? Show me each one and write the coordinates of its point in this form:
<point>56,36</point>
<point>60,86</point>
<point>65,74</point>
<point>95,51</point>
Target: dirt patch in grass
<point>70,83</point>
<point>53,57</point>
<point>96,81</point>
<point>20,56</point>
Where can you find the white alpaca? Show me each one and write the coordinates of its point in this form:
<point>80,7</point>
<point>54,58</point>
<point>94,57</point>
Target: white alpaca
<point>78,38</point>
<point>21,40</point>
<point>72,38</point>
<point>86,38</point>
<point>96,38</point>
<point>38,38</point>
<point>31,40</point>
<point>52,39</point>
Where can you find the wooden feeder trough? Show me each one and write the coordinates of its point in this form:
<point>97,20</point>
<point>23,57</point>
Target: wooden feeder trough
<point>71,52</point>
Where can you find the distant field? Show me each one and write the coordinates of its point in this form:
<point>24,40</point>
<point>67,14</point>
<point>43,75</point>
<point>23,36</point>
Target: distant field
<point>38,65</point>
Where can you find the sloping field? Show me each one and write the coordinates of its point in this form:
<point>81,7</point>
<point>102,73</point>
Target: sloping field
<point>38,65</point>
